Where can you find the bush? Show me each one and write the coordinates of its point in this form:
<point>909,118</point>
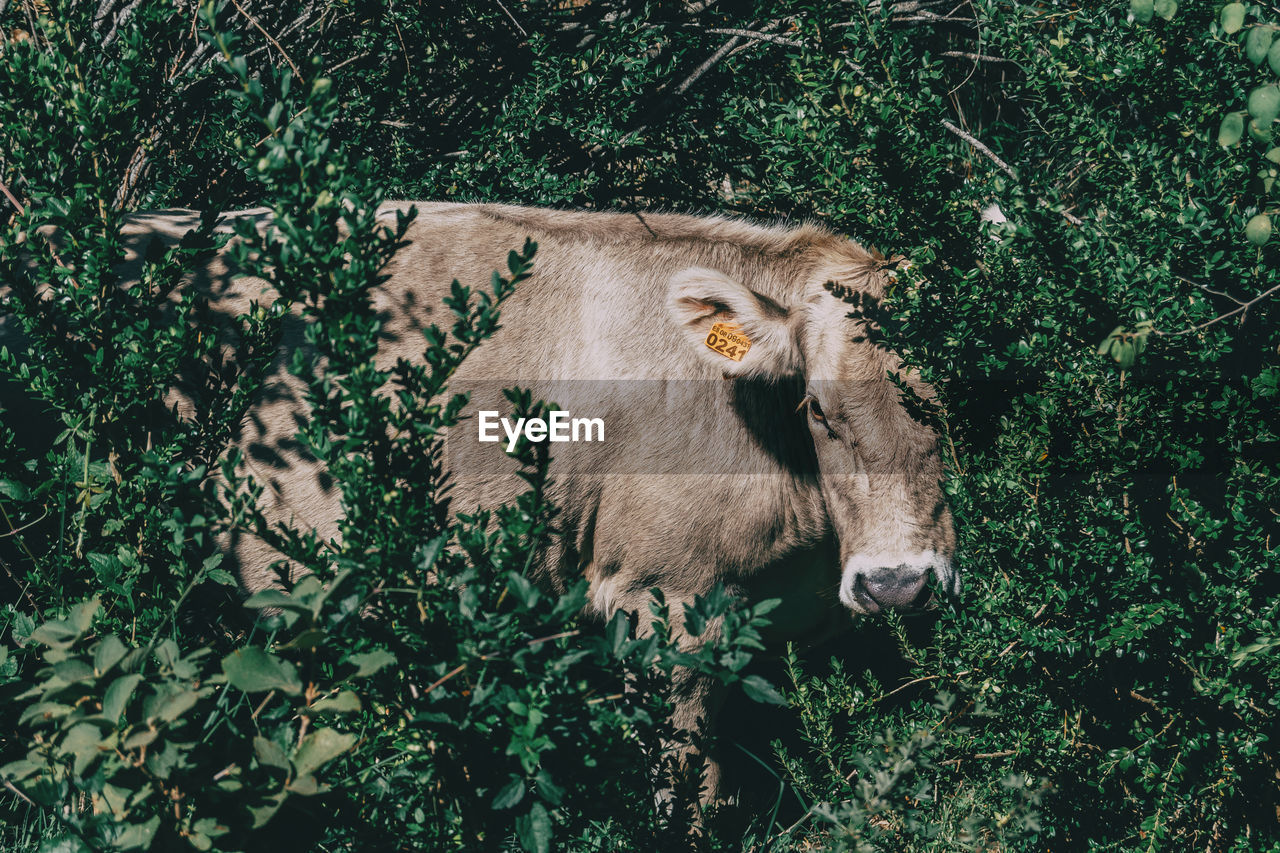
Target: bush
<point>1105,350</point>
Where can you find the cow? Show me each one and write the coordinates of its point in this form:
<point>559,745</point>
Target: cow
<point>754,433</point>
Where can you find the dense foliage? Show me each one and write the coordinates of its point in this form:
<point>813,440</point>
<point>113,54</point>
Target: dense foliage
<point>1083,193</point>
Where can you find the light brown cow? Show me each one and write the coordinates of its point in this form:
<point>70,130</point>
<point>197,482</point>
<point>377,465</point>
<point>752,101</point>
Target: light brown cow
<point>792,471</point>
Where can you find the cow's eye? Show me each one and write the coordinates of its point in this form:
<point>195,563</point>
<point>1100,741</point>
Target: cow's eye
<point>819,416</point>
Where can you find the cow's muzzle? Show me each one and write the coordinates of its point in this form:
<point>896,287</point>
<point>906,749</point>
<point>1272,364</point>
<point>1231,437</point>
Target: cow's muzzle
<point>872,584</point>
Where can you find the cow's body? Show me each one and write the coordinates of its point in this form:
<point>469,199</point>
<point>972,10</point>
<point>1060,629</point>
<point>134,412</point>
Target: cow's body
<point>708,472</point>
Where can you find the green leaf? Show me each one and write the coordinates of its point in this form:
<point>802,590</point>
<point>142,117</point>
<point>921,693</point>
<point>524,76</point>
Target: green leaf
<point>1167,9</point>
<point>510,796</point>
<point>762,691</point>
<point>1124,353</point>
<point>72,670</point>
<point>1257,43</point>
<point>13,490</point>
<point>345,702</point>
<point>81,616</point>
<point>321,747</point>
<point>1232,18</point>
<point>275,598</point>
<point>1264,103</point>
<point>117,696</point>
<point>58,635</point>
<point>269,753</point>
<point>367,663</point>
<point>425,557</point>
<point>108,652</point>
<point>84,742</point>
<point>1258,229</point>
<point>137,836</point>
<point>171,704</point>
<point>1231,130</point>
<point>1109,342</point>
<point>255,671</point>
<point>522,590</point>
<point>307,639</point>
<point>534,829</point>
<point>1142,10</point>
<point>223,577</point>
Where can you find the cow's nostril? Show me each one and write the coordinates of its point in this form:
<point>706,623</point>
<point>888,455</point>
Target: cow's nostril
<point>905,590</point>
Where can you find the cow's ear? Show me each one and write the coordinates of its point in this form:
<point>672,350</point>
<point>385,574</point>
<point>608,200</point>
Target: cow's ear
<point>700,298</point>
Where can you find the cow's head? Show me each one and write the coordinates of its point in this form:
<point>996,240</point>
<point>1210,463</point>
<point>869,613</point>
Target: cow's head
<point>879,468</point>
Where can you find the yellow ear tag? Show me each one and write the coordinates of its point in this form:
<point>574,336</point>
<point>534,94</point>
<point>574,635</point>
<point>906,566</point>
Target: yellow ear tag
<point>730,341</point>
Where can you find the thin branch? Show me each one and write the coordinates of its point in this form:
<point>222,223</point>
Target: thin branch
<point>932,18</point>
<point>683,87</point>
<point>12,198</point>
<point>507,11</point>
<point>710,62</point>
<point>1242,309</point>
<point>752,34</point>
<point>267,36</point>
<point>1004,753</point>
<point>903,7</point>
<point>24,797</point>
<point>348,61</point>
<point>14,531</point>
<point>991,155</point>
<point>976,57</point>
<point>442,679</point>
<point>1207,289</point>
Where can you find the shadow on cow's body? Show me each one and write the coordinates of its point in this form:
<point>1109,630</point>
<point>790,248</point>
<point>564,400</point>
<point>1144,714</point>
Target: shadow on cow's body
<point>790,470</point>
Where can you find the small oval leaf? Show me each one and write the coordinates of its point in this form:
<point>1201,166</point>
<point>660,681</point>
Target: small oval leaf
<point>1142,10</point>
<point>1231,130</point>
<point>1264,103</point>
<point>1232,18</point>
<point>1258,229</point>
<point>1257,43</point>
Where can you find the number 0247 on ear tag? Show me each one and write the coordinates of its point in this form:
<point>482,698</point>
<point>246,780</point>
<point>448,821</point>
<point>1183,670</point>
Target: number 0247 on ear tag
<point>729,341</point>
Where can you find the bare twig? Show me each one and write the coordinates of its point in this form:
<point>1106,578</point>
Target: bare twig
<point>903,7</point>
<point>507,12</point>
<point>12,198</point>
<point>442,679</point>
<point>349,60</point>
<point>1242,309</point>
<point>1207,289</point>
<point>932,18</point>
<point>752,34</point>
<point>267,36</point>
<point>977,144</point>
<point>24,797</point>
<point>1004,753</point>
<point>684,85</point>
<point>1146,700</point>
<point>710,62</point>
<point>976,57</point>
<point>15,531</point>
